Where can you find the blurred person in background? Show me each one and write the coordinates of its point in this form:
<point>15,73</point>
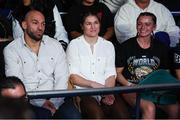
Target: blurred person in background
<point>76,12</point>
<point>54,25</point>
<point>125,20</point>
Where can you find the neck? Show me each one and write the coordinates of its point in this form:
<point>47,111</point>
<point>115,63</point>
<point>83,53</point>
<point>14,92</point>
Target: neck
<point>26,2</point>
<point>144,42</point>
<point>142,5</point>
<point>91,40</point>
<point>33,44</point>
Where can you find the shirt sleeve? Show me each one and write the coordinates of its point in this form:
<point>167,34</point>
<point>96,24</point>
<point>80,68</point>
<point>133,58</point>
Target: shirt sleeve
<point>110,68</point>
<point>61,70</point>
<point>73,59</point>
<point>13,66</point>
<point>123,28</point>
<point>16,29</point>
<point>61,33</point>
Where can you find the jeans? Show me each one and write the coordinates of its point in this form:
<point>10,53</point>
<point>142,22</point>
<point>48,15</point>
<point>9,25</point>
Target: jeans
<point>66,111</point>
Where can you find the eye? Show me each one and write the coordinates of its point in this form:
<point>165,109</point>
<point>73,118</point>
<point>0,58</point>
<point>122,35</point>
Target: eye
<point>96,22</point>
<point>43,24</point>
<point>34,22</point>
<point>88,23</point>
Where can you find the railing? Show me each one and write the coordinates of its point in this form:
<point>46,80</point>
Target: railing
<point>102,91</point>
<point>175,13</point>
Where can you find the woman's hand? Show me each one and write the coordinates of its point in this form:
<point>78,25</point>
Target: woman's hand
<point>50,106</point>
<point>108,99</point>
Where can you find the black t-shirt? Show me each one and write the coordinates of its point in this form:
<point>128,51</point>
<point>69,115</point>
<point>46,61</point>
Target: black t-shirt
<point>76,13</point>
<point>139,62</point>
<point>5,28</point>
<point>2,63</point>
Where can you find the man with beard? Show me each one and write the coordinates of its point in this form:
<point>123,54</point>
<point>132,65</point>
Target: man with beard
<point>40,62</point>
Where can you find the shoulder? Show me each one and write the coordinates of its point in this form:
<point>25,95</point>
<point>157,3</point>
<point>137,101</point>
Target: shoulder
<point>105,45</point>
<point>158,6</point>
<point>160,45</point>
<point>104,41</point>
<point>51,42</point>
<point>125,9</point>
<point>129,42</point>
<point>77,40</point>
<point>14,44</point>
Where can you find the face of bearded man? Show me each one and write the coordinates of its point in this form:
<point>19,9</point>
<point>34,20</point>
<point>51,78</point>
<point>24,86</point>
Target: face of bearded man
<point>34,25</point>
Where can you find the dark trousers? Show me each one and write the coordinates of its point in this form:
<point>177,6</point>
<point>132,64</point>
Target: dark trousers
<point>66,111</point>
<point>90,108</point>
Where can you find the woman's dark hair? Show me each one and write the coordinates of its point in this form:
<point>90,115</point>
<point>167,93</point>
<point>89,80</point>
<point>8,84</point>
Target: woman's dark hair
<point>148,14</point>
<point>89,14</point>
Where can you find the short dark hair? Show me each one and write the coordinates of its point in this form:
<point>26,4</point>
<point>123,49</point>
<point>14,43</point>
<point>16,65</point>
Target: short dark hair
<point>148,14</point>
<point>10,82</point>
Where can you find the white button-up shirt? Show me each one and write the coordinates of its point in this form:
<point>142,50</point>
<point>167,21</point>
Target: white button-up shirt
<point>96,66</point>
<point>46,71</point>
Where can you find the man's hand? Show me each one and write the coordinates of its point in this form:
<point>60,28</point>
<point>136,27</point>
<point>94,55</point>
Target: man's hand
<point>50,106</point>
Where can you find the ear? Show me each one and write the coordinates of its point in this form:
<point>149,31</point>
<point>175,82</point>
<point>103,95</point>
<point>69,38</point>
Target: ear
<point>24,25</point>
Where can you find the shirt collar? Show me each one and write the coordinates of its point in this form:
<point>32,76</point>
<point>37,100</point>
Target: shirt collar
<point>83,39</point>
<point>25,44</point>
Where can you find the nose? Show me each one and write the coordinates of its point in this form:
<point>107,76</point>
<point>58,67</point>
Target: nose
<point>92,26</point>
<point>143,27</point>
<point>40,26</point>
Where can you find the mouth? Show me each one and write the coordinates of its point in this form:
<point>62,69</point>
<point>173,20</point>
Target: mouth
<point>39,33</point>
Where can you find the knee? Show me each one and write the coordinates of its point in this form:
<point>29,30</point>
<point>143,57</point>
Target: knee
<point>150,109</point>
<point>173,112</point>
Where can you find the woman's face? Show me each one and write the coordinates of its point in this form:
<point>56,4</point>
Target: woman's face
<point>91,26</point>
<point>145,26</point>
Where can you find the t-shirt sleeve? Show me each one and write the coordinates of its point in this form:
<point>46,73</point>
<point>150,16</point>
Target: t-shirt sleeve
<point>176,57</point>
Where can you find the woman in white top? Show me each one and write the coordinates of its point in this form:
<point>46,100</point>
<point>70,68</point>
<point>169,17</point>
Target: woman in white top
<point>92,65</point>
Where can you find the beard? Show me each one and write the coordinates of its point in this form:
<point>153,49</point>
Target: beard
<point>34,37</point>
